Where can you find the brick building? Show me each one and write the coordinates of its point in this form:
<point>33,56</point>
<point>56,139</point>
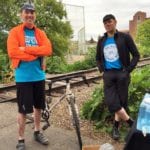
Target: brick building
<point>139,17</point>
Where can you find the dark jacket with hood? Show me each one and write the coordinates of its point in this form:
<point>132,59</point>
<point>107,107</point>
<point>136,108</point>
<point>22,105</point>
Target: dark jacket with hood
<point>125,46</point>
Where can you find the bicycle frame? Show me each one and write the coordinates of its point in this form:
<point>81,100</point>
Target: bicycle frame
<point>68,94</point>
<point>73,110</point>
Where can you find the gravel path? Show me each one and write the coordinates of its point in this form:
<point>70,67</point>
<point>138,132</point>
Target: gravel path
<point>60,117</point>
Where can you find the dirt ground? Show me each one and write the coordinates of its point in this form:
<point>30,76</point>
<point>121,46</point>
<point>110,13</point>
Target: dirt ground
<point>60,117</point>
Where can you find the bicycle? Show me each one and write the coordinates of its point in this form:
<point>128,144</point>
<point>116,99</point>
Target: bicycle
<point>73,108</point>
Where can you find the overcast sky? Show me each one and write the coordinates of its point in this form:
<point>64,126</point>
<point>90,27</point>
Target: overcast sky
<point>96,9</point>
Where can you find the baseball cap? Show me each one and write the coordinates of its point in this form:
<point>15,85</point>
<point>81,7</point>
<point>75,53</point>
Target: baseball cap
<point>108,17</point>
<point>28,6</point>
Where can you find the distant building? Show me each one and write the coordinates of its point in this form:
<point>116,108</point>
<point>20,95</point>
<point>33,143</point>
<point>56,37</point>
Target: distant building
<point>139,17</point>
<point>124,31</point>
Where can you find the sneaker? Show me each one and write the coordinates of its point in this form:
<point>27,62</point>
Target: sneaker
<point>115,133</point>
<point>20,146</point>
<point>41,138</point>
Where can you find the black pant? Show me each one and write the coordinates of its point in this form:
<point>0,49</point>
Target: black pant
<point>116,84</point>
<point>30,94</point>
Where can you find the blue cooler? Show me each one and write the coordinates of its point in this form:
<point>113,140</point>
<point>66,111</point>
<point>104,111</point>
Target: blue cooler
<point>143,121</point>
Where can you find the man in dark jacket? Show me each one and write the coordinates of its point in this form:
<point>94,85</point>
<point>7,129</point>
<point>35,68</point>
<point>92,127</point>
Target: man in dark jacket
<point>113,59</point>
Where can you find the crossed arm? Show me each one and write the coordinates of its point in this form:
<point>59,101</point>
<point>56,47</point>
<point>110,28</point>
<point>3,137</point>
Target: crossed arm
<point>28,53</point>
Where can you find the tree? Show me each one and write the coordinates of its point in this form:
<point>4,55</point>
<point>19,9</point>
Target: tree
<point>50,17</point>
<point>7,20</point>
<point>142,38</point>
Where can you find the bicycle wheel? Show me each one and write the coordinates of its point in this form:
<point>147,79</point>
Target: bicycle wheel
<point>76,122</point>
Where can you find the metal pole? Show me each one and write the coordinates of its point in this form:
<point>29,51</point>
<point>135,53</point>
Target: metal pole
<point>30,1</point>
<point>84,29</point>
<point>83,21</point>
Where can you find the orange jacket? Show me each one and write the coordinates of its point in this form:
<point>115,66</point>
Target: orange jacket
<point>16,39</point>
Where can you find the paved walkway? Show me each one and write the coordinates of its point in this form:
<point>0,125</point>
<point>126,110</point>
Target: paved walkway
<point>60,139</point>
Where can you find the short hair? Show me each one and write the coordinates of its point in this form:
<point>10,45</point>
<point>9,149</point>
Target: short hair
<point>108,17</point>
<point>27,6</point>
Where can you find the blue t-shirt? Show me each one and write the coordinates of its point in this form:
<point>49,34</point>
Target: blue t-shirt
<point>111,55</point>
<point>29,71</point>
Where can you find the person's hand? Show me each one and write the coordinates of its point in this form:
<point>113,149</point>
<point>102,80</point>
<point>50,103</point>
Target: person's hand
<point>22,48</point>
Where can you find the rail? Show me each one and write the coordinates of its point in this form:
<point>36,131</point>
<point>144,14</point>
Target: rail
<point>84,74</point>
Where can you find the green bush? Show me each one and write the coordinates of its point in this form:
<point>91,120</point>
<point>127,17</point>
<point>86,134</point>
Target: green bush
<point>140,83</point>
<point>54,64</point>
<point>142,37</point>
<point>144,51</point>
<point>57,65</point>
<point>5,70</point>
<point>95,109</point>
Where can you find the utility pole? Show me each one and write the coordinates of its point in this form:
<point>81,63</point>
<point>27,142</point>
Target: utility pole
<point>30,2</point>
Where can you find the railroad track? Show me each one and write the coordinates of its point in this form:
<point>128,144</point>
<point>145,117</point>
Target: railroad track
<point>7,92</point>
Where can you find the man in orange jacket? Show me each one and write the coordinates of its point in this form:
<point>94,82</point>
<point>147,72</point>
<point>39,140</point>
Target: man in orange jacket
<point>27,45</point>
